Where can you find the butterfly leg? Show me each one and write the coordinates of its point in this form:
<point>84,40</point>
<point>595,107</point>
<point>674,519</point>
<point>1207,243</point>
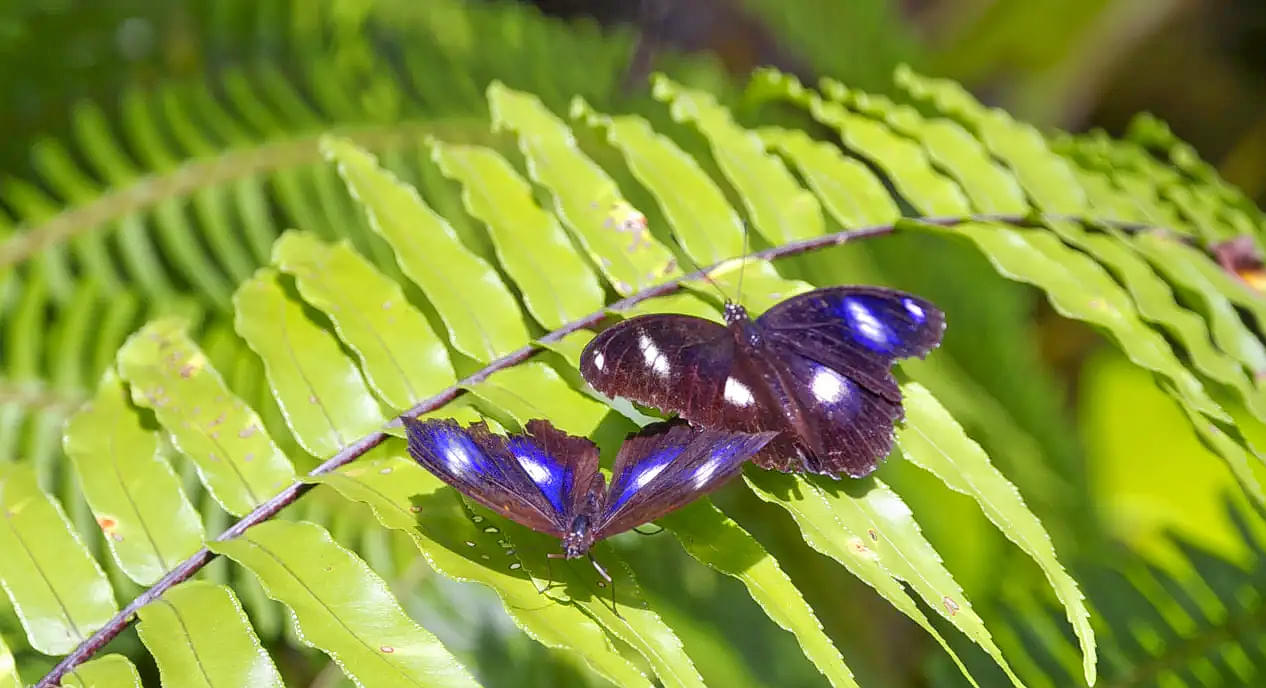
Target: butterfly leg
<point>610,581</point>
<point>549,572</point>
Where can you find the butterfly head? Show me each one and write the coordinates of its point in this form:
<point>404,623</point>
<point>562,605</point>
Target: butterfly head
<point>734,313</point>
<point>579,537</point>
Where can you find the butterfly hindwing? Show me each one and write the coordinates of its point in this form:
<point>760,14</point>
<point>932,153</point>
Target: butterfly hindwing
<point>850,426</point>
<point>668,465</point>
<point>858,331</point>
<point>488,469</point>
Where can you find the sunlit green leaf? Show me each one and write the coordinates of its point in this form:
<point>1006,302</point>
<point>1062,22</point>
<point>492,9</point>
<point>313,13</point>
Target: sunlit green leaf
<point>1182,266</point>
<point>702,220</point>
<point>780,208</point>
<point>342,607</point>
<point>990,187</point>
<point>681,302</point>
<point>106,671</point>
<point>402,358</point>
<point>629,618</point>
<point>1155,301</point>
<point>850,191</point>
<point>8,668</point>
<point>762,286</point>
<point>58,591</point>
<point>849,530</point>
<point>557,285</point>
<point>586,199</point>
<point>200,636</point>
<point>712,538</point>
<point>481,315</point>
<point>1080,288</point>
<point>1046,177</point>
<point>148,523</point>
<point>901,159</point>
<point>535,390</point>
<point>931,438</point>
<point>323,395</point>
<point>236,459</point>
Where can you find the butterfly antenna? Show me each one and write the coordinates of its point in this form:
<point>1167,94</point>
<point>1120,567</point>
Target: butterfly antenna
<point>707,278</point>
<point>742,266</point>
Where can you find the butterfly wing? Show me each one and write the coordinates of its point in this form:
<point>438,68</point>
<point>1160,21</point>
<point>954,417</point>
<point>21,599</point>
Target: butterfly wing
<point>668,465</point>
<point>850,426</point>
<point>675,363</point>
<point>858,331</point>
<point>564,466</point>
<point>530,479</point>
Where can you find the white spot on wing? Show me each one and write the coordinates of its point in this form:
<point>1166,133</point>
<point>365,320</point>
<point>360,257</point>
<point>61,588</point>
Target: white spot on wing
<point>652,355</point>
<point>827,386</point>
<point>737,393</point>
<point>866,323</point>
<point>456,454</point>
<point>599,360</point>
<point>914,309</point>
<point>538,472</point>
<point>648,474</point>
<point>704,472</point>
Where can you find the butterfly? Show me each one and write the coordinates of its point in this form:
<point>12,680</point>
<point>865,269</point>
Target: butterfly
<point>549,481</point>
<point>816,367</point>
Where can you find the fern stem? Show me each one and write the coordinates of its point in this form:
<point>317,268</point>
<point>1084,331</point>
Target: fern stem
<point>270,508</point>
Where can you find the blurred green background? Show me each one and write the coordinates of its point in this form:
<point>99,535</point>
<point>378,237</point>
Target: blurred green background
<point>1117,469</point>
<point>1073,64</point>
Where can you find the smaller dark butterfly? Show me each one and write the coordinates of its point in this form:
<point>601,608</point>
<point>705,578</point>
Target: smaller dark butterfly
<point>549,481</point>
<point>815,367</point>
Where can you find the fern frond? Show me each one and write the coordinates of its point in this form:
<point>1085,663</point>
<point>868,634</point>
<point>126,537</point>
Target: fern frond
<point>1198,618</point>
<point>189,200</point>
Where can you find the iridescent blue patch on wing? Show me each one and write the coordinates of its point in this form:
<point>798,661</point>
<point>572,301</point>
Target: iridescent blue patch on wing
<point>550,476</point>
<point>459,454</point>
<point>640,474</point>
<point>721,454</point>
<point>867,327</point>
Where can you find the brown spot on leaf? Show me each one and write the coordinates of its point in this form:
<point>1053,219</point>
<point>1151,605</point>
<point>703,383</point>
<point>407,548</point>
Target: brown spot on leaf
<point>950,605</point>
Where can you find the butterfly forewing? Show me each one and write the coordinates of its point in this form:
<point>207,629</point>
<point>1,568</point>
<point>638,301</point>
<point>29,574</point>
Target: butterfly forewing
<point>486,468</point>
<point>674,362</point>
<point>858,331</point>
<point>668,465</point>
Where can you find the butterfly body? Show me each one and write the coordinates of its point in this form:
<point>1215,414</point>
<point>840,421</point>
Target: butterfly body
<point>549,481</point>
<point>815,368</point>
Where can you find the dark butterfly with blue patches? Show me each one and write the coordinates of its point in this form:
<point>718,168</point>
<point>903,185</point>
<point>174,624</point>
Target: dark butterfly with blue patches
<point>549,481</point>
<point>815,367</point>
